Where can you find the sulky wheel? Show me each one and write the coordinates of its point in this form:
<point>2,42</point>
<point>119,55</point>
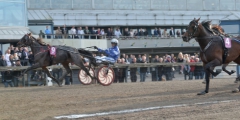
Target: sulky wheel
<point>105,78</point>
<point>84,78</point>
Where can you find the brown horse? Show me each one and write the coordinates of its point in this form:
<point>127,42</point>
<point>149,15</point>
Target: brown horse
<point>211,50</point>
<point>64,55</point>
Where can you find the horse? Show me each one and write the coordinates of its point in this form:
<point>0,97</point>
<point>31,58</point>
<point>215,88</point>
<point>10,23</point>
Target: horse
<point>211,50</point>
<point>64,55</point>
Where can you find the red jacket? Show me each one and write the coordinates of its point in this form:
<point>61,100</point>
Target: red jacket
<point>192,67</point>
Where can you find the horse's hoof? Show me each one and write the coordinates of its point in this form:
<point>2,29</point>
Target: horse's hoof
<point>235,91</point>
<point>202,93</point>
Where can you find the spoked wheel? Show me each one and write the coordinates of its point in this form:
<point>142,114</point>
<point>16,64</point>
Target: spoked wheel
<point>105,77</point>
<point>84,78</point>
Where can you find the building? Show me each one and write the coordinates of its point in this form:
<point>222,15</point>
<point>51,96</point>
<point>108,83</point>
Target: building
<point>132,14</point>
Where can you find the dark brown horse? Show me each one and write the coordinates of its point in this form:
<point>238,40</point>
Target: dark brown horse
<point>64,55</point>
<point>211,49</point>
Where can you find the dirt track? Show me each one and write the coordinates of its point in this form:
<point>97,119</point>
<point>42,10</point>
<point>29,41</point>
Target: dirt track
<point>37,103</point>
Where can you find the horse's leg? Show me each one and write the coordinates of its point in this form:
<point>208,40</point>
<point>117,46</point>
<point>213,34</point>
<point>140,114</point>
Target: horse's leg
<point>50,75</point>
<point>238,62</point>
<point>211,65</point>
<point>207,75</point>
<point>68,70</point>
<point>36,65</point>
<point>228,72</point>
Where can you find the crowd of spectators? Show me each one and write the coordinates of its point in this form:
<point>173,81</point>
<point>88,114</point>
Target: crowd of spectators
<point>85,33</point>
<point>161,72</point>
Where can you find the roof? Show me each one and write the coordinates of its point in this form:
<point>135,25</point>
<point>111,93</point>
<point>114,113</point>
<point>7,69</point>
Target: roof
<point>38,15</point>
<point>13,33</point>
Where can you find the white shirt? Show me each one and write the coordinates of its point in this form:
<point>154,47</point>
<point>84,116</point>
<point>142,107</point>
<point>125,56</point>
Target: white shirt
<point>117,33</point>
<point>102,33</point>
<point>7,59</point>
<point>80,32</point>
<point>73,31</point>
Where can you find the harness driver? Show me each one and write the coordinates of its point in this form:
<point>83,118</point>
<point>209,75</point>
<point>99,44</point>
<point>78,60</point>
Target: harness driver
<point>112,53</point>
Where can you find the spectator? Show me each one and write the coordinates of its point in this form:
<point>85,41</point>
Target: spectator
<point>178,33</point>
<point>160,70</point>
<point>109,33</point>
<point>186,69</point>
<point>191,73</point>
<point>41,34</point>
<point>80,33</point>
<point>180,60</point>
<point>16,73</point>
<point>156,60</point>
<point>133,71</point>
<point>73,32</point>
<point>165,33</point>
<point>12,49</point>
<point>135,33</point>
<point>116,70</point>
<point>102,32</point>
<point>117,33</point>
<point>0,53</point>
<point>122,72</point>
<point>131,33</point>
<point>58,33</point>
<point>172,32</point>
<point>3,61</point>
<point>139,58</point>
<point>159,32</point>
<point>93,32</point>
<point>168,69</point>
<point>7,57</point>
<point>126,32</point>
<point>141,33</point>
<point>31,58</point>
<point>15,56</point>
<point>145,32</point>
<point>64,31</point>
<point>155,32</point>
<point>20,53</point>
<point>7,78</point>
<point>143,70</point>
<point>16,50</point>
<point>48,33</point>
<point>86,31</point>
<point>24,57</point>
<point>198,70</point>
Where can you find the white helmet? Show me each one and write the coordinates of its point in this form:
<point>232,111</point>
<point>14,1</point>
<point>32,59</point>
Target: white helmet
<point>114,41</point>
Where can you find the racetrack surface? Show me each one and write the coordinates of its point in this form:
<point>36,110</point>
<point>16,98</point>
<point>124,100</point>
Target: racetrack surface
<point>37,103</point>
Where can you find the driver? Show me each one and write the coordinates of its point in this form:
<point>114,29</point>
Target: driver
<point>112,53</point>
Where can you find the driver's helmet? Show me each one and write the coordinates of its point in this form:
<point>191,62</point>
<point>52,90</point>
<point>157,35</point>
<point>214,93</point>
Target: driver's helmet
<point>114,41</point>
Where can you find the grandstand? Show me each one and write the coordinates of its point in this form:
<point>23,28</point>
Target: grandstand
<point>34,15</point>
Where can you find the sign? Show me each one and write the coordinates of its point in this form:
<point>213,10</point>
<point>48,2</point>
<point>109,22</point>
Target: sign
<point>53,51</point>
<point>227,42</point>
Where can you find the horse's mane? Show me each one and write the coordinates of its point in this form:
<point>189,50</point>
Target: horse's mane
<point>213,29</point>
<point>39,40</point>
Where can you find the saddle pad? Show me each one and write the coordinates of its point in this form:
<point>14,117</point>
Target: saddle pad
<point>227,42</point>
<point>53,51</point>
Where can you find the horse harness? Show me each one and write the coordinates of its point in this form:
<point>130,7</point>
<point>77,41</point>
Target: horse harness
<point>203,51</point>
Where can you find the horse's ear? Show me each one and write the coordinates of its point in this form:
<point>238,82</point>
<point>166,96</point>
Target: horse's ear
<point>198,19</point>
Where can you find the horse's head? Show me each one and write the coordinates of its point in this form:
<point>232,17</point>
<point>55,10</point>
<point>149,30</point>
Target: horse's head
<point>25,40</point>
<point>192,30</point>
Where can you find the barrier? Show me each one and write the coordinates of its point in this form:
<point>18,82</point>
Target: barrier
<point>76,68</point>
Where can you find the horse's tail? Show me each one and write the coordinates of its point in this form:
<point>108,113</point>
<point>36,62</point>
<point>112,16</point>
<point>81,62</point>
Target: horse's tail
<point>88,55</point>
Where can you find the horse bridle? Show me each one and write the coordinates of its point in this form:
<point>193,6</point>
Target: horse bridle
<point>191,35</point>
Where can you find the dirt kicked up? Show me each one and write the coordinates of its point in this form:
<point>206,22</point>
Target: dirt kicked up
<point>48,103</point>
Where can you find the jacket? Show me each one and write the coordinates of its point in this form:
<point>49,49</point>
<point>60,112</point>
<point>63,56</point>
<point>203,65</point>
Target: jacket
<point>112,52</point>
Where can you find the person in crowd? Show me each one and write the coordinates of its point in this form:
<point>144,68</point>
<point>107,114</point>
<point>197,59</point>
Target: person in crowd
<point>141,33</point>
<point>156,60</point>
<point>126,33</point>
<point>178,33</point>
<point>7,57</point>
<point>24,57</point>
<point>172,32</point>
<point>41,34</point>
<point>191,73</point>
<point>20,53</point>
<point>165,34</point>
<point>122,72</point>
<point>11,49</point>
<point>16,50</point>
<point>73,32</point>
<point>155,32</point>
<point>16,74</point>
<point>173,60</point>
<point>48,32</point>
<point>3,63</point>
<point>102,33</point>
<point>0,53</point>
<point>143,70</point>
<point>186,69</point>
<point>168,69</point>
<point>116,70</point>
<point>64,31</point>
<point>131,33</point>
<point>159,32</point>
<point>133,71</point>
<point>80,33</point>
<point>109,33</point>
<point>197,71</point>
<point>160,70</point>
<point>31,58</point>
<point>180,60</point>
<point>94,33</point>
<point>7,78</point>
<point>145,32</point>
<point>117,33</point>
<point>86,31</point>
<point>58,34</point>
<point>15,56</point>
